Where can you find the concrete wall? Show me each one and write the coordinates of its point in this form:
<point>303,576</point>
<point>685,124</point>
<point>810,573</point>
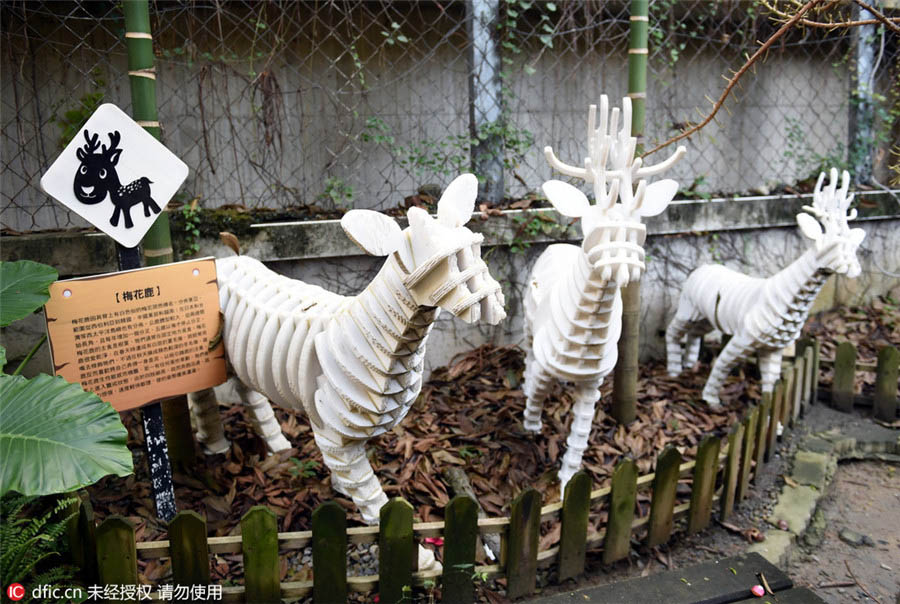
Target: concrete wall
<point>754,235</point>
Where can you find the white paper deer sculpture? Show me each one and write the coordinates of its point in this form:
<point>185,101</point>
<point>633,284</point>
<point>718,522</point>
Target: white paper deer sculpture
<point>353,364</point>
<point>765,315</point>
<point>573,308</point>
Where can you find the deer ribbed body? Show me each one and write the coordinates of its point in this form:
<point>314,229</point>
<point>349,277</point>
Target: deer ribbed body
<point>764,315</point>
<point>353,364</point>
<point>579,342</point>
<point>573,307</point>
<point>350,393</point>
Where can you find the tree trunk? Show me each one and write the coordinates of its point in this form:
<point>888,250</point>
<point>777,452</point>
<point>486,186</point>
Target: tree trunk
<point>626,373</point>
<point>157,243</point>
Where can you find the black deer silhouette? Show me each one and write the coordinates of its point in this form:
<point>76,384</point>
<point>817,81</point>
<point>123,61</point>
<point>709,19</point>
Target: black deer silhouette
<point>96,176</point>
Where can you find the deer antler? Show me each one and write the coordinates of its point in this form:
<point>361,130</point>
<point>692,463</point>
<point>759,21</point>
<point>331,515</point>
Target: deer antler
<point>92,142</point>
<point>114,138</point>
<point>830,204</point>
<point>606,146</point>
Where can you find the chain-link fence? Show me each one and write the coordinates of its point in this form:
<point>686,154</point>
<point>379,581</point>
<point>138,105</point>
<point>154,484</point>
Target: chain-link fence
<point>347,103</point>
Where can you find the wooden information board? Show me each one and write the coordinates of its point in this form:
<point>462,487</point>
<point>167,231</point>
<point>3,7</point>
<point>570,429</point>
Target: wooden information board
<point>139,336</point>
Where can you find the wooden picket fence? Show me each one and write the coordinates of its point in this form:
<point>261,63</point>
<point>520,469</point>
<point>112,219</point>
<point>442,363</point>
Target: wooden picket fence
<point>721,473</point>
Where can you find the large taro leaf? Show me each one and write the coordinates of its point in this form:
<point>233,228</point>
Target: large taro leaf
<point>55,437</point>
<point>23,288</point>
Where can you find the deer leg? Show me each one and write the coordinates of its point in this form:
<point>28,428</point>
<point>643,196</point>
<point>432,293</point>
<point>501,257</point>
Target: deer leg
<point>537,387</point>
<point>691,350</point>
<point>737,349</point>
<point>769,369</point>
<point>114,220</point>
<point>205,415</point>
<point>586,396</point>
<point>264,422</point>
<point>128,222</point>
<point>149,205</point>
<point>677,329</point>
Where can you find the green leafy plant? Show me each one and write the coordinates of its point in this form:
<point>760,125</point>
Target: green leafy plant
<point>306,468</point>
<point>337,192</point>
<point>32,541</point>
<point>55,437</point>
<point>191,215</point>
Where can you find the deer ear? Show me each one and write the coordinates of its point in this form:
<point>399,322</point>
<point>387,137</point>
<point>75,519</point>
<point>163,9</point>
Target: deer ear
<point>809,226</point>
<point>114,156</point>
<point>80,154</point>
<point>658,196</point>
<point>458,201</point>
<point>374,232</point>
<point>567,200</point>
<point>857,236</point>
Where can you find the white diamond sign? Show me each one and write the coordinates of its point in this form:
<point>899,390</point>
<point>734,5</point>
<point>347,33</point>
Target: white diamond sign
<point>115,175</point>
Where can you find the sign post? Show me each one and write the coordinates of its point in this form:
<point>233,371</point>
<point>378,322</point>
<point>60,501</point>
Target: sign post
<point>119,177</point>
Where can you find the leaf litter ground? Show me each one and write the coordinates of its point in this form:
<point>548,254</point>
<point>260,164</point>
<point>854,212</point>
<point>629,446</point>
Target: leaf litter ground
<point>468,415</point>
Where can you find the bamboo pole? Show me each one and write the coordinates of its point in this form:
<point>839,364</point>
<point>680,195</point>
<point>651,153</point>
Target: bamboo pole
<point>625,378</point>
<point>157,243</point>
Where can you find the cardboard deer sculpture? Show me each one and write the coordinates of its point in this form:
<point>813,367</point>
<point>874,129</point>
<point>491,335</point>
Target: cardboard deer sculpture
<point>765,315</point>
<point>353,364</point>
<point>573,308</point>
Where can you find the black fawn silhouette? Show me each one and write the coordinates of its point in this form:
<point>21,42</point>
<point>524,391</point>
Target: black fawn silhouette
<point>96,176</point>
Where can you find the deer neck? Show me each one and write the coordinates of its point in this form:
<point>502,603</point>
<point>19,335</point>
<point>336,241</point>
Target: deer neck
<point>114,185</point>
<point>790,293</point>
<point>391,323</point>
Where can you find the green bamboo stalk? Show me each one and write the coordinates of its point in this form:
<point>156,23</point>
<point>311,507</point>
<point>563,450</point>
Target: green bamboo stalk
<point>157,243</point>
<point>624,403</point>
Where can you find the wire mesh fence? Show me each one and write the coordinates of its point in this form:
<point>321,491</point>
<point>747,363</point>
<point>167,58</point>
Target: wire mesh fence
<point>361,104</point>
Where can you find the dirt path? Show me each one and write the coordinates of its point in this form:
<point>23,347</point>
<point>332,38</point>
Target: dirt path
<point>864,498</point>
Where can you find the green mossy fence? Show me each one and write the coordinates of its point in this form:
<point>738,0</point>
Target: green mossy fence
<point>721,474</point>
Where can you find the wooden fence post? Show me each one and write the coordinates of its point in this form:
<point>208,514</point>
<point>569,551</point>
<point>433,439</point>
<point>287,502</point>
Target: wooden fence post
<point>621,511</point>
<point>809,364</point>
<point>83,541</point>
<point>777,413</point>
<point>788,376</point>
<point>329,545</point>
<point>574,526</point>
<point>762,431</point>
<point>842,388</point>
<point>732,469</point>
<point>396,551</point>
<point>704,484</point>
<point>817,353</point>
<point>460,539</point>
<point>259,539</point>
<point>662,502</point>
<point>885,404</point>
<point>749,424</point>
<point>799,388</point>
<point>189,548</point>
<point>116,552</point>
<point>523,542</point>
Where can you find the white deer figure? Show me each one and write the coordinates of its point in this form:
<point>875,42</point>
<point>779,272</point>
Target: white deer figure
<point>765,315</point>
<point>573,308</point>
<point>352,364</point>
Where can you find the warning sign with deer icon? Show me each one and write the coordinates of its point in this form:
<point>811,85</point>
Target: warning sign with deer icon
<point>115,175</point>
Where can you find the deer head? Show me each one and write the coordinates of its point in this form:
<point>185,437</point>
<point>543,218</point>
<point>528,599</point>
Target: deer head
<point>96,175</point>
<point>826,224</point>
<point>440,258</point>
<point>613,233</point>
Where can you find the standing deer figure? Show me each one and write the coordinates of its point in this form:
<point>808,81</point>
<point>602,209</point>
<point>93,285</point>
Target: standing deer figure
<point>352,364</point>
<point>573,308</point>
<point>765,315</point>
<point>96,176</point>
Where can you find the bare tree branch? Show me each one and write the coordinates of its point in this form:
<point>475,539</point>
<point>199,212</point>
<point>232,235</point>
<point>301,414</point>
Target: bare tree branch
<point>737,76</point>
<point>891,22</point>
